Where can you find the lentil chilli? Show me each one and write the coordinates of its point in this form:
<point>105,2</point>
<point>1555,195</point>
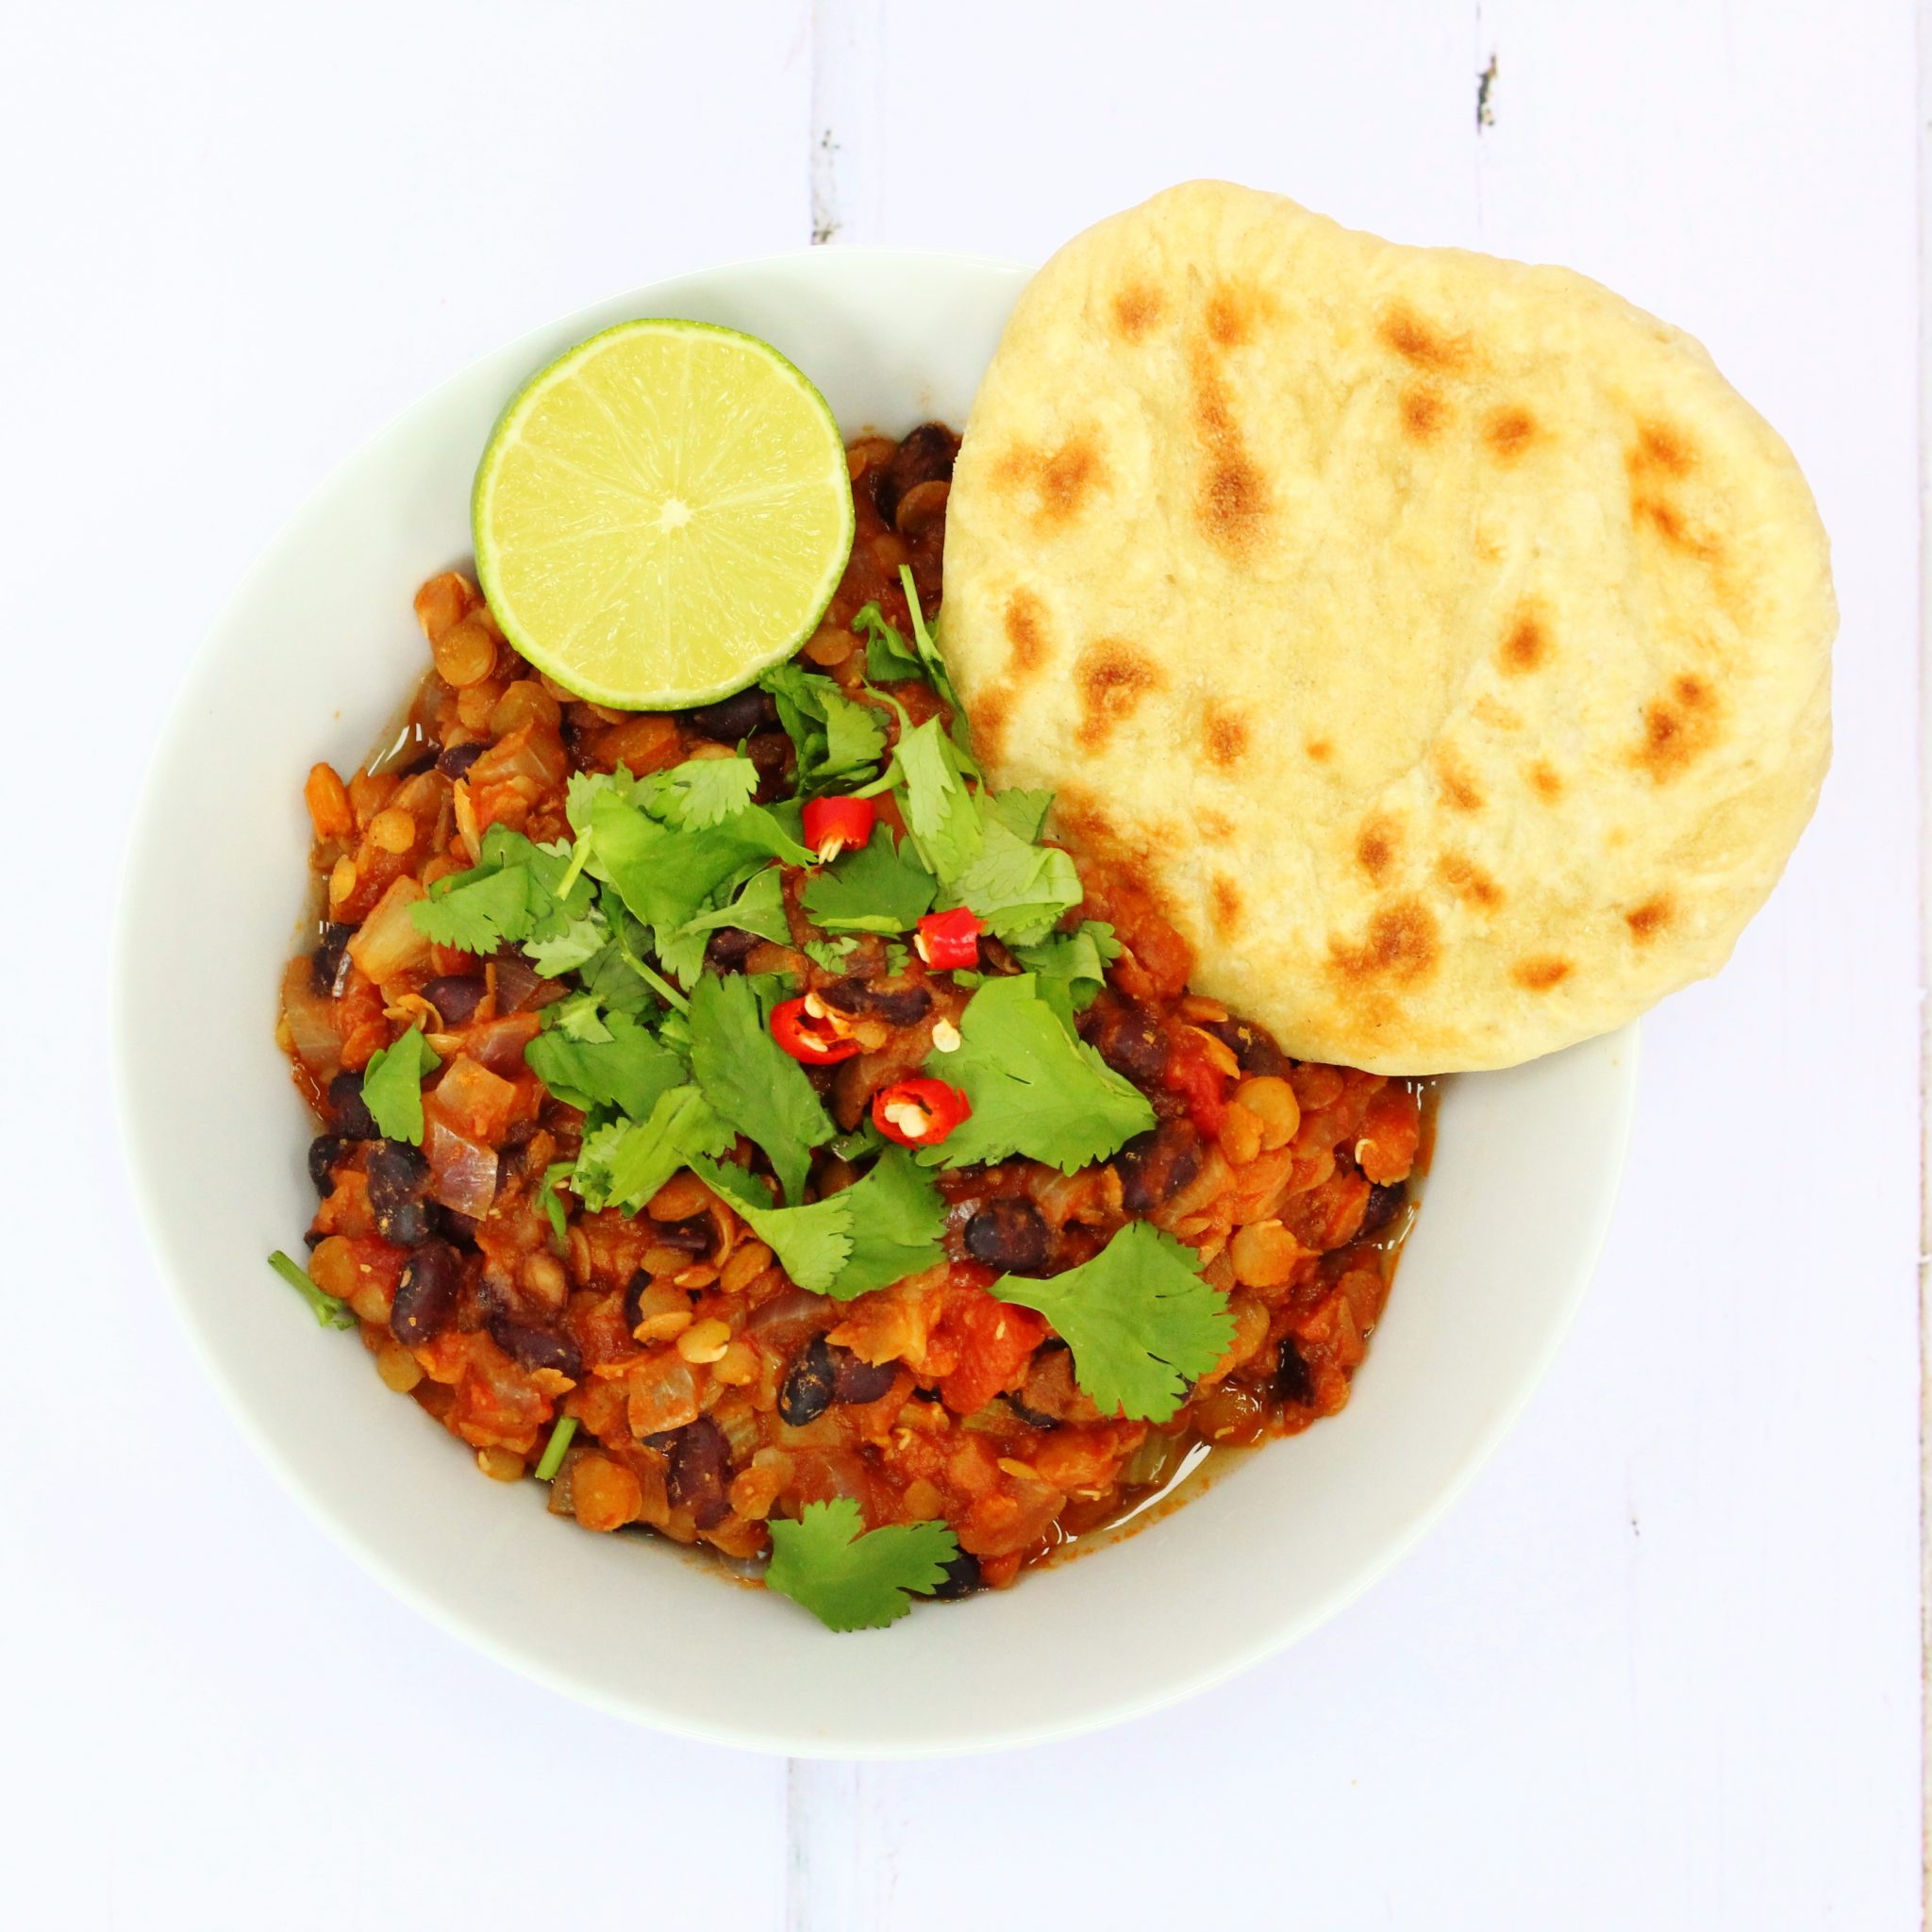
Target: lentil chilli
<point>749,1121</point>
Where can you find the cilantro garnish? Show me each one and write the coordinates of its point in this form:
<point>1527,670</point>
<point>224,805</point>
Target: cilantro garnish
<point>880,887</point>
<point>626,1069</point>
<point>885,1226</point>
<point>557,1173</point>
<point>1069,970</point>
<point>758,907</point>
<point>854,1581</point>
<point>699,793</point>
<point>624,1164</point>
<point>812,1242</point>
<point>666,873</point>
<point>1035,1089</point>
<point>831,954</point>
<point>552,1460</point>
<point>836,737</point>
<point>392,1085</point>
<point>752,1081</point>
<point>1019,890</point>
<point>939,812</point>
<point>328,1310</point>
<point>516,891</point>
<point>888,660</point>
<point>935,666</point>
<point>1142,1320</point>
<point>897,1218</point>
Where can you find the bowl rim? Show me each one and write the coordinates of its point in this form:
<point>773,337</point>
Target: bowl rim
<point>770,1736</point>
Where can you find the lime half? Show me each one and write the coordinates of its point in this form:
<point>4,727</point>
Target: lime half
<point>662,514</point>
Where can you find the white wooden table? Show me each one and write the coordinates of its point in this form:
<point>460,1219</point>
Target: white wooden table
<point>1661,1668</point>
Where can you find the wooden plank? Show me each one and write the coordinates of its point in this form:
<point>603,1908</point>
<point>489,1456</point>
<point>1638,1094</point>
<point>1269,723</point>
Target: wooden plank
<point>1661,1666</point>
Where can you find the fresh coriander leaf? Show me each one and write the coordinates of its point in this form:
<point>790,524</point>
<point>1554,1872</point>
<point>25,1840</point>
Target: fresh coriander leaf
<point>476,911</point>
<point>812,1242</point>
<point>897,1218</point>
<point>831,954</point>
<point>619,979</point>
<point>577,1017</point>
<point>515,892</point>
<point>851,1581</point>
<point>854,735</point>
<point>579,942</point>
<point>836,737</point>
<point>898,958</point>
<point>681,953</point>
<point>558,1171</point>
<point>888,659</point>
<point>1023,813</point>
<point>940,813</point>
<point>1020,892</point>
<point>863,1139</point>
<point>760,909</point>
<point>924,642</point>
<point>1035,1089</point>
<point>392,1086</point>
<point>552,1460</point>
<point>752,1081</point>
<point>627,1070</point>
<point>699,793</point>
<point>328,1310</point>
<point>1143,1322</point>
<point>880,887</point>
<point>624,1164</point>
<point>1071,970</point>
<point>665,877</point>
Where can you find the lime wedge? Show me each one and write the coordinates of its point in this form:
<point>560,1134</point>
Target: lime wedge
<point>662,514</point>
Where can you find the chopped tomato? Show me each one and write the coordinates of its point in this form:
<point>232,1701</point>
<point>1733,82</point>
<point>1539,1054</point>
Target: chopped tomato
<point>991,1342</point>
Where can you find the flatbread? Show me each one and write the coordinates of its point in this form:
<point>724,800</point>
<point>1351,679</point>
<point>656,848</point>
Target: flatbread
<point>1443,639</point>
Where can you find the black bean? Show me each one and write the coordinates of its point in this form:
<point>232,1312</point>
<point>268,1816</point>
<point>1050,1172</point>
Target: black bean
<point>729,949</point>
<point>733,718</point>
<point>1385,1204</point>
<point>1292,1381</point>
<point>456,996</point>
<point>634,1300</point>
<point>776,758</point>
<point>905,1006</point>
<point>397,1174</point>
<point>534,1347</point>
<point>346,1109</point>
<point>807,1391</point>
<point>329,965</point>
<point>326,1152</point>
<point>408,1224</point>
<point>456,760</point>
<point>692,1237</point>
<point>700,1473</point>
<point>425,1302</point>
<point>1007,1234</point>
<point>1252,1047</point>
<point>854,1380</point>
<point>1154,1168</point>
<point>398,1180</point>
<point>961,1578</point>
<point>1131,1041</point>
<point>460,1229</point>
<point>926,456</point>
<point>1033,1418</point>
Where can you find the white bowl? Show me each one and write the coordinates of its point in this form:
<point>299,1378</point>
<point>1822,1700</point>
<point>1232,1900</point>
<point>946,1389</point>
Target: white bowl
<point>311,659</point>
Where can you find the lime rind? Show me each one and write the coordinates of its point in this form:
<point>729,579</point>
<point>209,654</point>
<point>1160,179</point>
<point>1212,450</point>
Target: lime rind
<point>584,449</point>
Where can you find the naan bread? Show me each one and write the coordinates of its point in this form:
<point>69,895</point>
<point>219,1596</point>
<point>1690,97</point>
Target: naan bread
<point>1444,640</point>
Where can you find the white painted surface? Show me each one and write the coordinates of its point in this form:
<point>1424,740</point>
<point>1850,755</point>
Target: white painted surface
<point>1660,1668</point>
